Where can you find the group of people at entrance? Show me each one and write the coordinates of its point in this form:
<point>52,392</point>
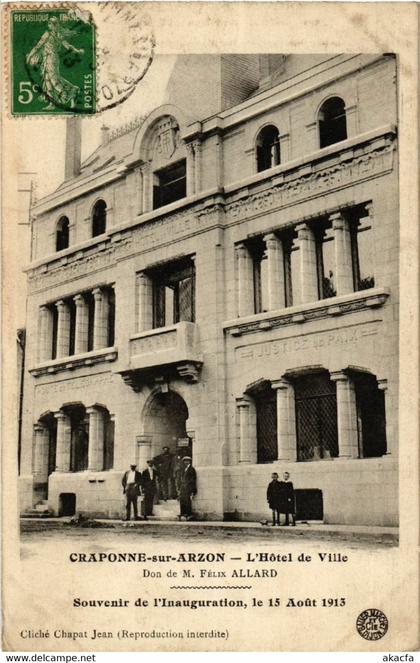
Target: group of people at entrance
<point>281,499</point>
<point>166,477</point>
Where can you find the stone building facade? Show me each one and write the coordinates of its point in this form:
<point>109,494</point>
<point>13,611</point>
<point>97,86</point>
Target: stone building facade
<point>222,276</point>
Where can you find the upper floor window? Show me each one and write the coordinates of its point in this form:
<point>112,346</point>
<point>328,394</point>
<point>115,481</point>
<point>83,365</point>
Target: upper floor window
<point>268,148</point>
<point>170,184</point>
<point>99,218</point>
<point>62,234</point>
<point>332,122</point>
<point>174,293</point>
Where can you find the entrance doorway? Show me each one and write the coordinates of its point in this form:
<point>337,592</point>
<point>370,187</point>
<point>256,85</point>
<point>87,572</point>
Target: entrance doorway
<point>165,424</point>
<point>67,504</point>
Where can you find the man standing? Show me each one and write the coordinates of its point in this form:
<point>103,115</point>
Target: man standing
<point>131,483</point>
<point>188,488</point>
<point>287,498</point>
<point>164,465</point>
<point>148,484</point>
<point>274,497</point>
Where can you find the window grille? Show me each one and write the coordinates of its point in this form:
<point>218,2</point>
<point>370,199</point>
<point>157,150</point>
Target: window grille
<point>266,426</point>
<point>316,417</point>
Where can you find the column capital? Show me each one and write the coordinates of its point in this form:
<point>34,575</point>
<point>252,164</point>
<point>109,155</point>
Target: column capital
<point>196,143</point>
<point>97,293</point>
<point>190,148</point>
<point>79,300</point>
<point>60,303</point>
<point>280,384</point>
<point>92,409</point>
<point>302,230</point>
<point>60,415</point>
<point>270,237</point>
<point>241,247</point>
<point>369,208</point>
<point>339,376</point>
<point>243,401</point>
<point>383,384</point>
<point>143,440</point>
<point>43,308</point>
<point>39,428</point>
<point>337,220</point>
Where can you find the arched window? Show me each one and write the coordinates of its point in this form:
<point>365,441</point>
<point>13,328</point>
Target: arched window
<point>268,148</point>
<point>332,122</point>
<point>79,438</point>
<point>99,218</point>
<point>370,403</point>
<point>62,234</point>
<point>316,416</point>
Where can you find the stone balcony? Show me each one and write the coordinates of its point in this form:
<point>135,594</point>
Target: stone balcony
<point>156,353</point>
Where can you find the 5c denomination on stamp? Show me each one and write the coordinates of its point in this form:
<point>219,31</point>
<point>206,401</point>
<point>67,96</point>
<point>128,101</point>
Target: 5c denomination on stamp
<point>52,61</point>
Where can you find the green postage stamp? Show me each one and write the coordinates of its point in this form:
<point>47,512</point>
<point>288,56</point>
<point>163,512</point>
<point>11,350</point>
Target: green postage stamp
<point>53,61</point>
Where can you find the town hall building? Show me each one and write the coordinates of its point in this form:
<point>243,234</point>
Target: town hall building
<point>221,277</point>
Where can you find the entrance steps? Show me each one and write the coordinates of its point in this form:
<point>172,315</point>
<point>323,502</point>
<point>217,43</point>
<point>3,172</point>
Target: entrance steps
<point>166,510</point>
<point>40,510</point>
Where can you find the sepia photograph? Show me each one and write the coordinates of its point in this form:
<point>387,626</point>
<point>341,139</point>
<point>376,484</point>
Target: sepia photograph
<point>207,320</point>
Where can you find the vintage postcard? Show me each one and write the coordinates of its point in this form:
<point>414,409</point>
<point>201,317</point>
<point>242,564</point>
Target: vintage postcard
<point>210,326</point>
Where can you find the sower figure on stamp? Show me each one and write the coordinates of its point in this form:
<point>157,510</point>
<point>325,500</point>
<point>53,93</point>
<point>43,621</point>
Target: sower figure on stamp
<point>287,499</point>
<point>148,484</point>
<point>274,497</point>
<point>131,483</point>
<point>188,489</point>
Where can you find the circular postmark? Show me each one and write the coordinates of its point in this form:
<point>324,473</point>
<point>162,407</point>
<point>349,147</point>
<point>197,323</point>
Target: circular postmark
<point>372,624</point>
<point>125,44</point>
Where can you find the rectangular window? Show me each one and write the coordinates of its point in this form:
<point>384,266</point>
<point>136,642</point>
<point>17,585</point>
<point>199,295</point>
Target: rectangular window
<point>170,184</point>
<point>363,253</point>
<point>325,263</point>
<point>260,266</point>
<point>111,317</point>
<point>174,294</point>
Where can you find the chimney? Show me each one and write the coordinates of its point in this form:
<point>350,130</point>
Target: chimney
<point>104,135</point>
<point>73,147</point>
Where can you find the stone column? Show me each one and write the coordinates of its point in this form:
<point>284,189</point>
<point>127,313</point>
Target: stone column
<point>144,302</point>
<point>45,334</point>
<point>352,121</point>
<point>63,442</point>
<point>247,432</point>
<point>41,448</point>
<point>63,329</point>
<point>286,424</point>
<point>81,327</point>
<point>308,267</point>
<point>343,258</point>
<point>285,148</point>
<point>348,442</point>
<point>144,451</point>
<point>275,265</point>
<point>139,190</point>
<point>147,188</point>
<point>190,169</point>
<point>245,281</point>
<point>390,427</point>
<point>197,166</point>
<point>100,319</point>
<point>96,439</point>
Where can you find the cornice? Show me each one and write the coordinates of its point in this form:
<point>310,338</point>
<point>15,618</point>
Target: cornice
<point>333,307</point>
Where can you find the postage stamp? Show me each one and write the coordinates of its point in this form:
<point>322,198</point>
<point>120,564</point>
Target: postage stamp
<point>53,61</point>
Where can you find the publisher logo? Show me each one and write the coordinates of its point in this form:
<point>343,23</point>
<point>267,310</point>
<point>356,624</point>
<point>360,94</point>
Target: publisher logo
<point>372,624</point>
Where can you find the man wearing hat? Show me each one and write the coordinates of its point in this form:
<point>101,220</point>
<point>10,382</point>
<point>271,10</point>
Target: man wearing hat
<point>148,484</point>
<point>188,488</point>
<point>131,483</point>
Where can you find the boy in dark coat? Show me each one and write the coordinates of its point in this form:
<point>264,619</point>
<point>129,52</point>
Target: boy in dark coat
<point>287,498</point>
<point>188,488</point>
<point>274,495</point>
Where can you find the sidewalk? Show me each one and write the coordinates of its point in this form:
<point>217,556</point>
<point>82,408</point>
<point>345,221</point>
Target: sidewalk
<point>388,535</point>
